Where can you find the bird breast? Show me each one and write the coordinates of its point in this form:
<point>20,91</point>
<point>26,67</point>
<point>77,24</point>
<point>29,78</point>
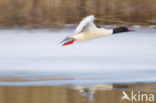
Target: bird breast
<point>85,36</point>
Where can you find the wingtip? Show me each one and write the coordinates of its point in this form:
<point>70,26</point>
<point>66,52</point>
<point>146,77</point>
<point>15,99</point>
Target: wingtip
<point>84,22</point>
<point>91,16</point>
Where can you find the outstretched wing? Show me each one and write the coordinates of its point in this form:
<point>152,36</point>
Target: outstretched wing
<point>86,24</point>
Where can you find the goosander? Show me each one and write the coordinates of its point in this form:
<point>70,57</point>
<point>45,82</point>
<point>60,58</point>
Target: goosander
<point>87,30</point>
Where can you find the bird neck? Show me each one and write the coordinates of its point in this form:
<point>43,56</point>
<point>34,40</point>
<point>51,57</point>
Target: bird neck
<point>105,32</point>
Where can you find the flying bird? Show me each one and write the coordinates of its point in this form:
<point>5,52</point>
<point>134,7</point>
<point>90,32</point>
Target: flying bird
<point>87,30</point>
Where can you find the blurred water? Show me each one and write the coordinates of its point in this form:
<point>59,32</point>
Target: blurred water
<point>69,94</point>
<point>34,54</point>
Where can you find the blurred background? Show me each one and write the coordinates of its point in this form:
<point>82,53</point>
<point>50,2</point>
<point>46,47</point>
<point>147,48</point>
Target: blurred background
<point>57,13</point>
<point>34,68</point>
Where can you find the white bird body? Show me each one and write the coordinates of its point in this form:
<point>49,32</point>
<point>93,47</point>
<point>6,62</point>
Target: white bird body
<point>87,30</point>
<point>96,33</point>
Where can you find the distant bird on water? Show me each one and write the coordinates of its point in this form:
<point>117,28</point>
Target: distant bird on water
<point>87,30</point>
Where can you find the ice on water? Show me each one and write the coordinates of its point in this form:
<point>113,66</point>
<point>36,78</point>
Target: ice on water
<point>126,57</point>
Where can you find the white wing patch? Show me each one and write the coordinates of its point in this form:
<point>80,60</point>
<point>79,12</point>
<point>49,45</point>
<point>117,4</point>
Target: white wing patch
<point>86,23</point>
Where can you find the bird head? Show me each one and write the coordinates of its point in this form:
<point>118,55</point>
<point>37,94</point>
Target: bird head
<point>121,29</point>
<point>67,41</point>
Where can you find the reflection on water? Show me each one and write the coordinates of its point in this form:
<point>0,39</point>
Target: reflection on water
<point>102,93</point>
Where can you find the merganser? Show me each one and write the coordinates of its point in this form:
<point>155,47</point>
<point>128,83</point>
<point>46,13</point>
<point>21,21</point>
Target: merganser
<point>87,30</point>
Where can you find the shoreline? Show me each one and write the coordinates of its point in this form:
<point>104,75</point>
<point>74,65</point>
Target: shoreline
<point>100,93</point>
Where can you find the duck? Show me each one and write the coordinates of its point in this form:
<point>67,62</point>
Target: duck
<point>87,30</point>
